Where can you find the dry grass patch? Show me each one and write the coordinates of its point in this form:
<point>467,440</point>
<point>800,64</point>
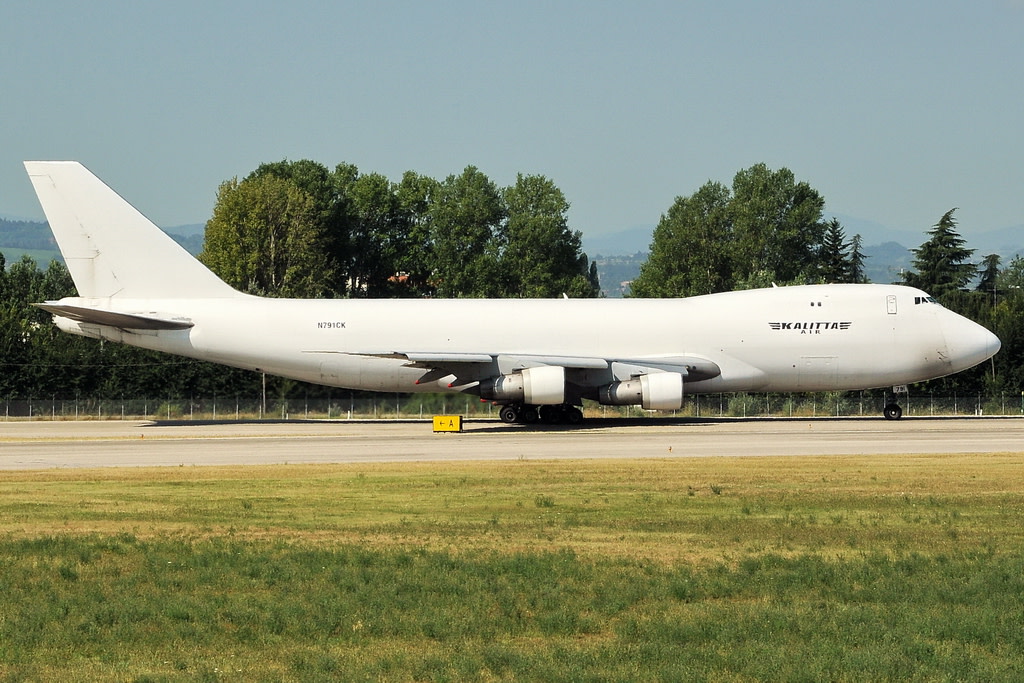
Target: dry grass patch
<point>664,510</point>
<point>743,569</point>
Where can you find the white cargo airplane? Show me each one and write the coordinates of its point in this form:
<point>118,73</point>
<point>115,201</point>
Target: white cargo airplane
<point>536,358</point>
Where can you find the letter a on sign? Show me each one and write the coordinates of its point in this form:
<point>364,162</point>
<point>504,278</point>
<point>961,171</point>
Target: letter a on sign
<point>447,423</point>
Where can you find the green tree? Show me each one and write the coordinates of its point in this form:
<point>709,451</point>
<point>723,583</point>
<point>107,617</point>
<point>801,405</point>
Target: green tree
<point>1011,278</point>
<point>767,230</point>
<point>594,278</point>
<point>465,219</point>
<point>541,256</point>
<point>1005,322</point>
<point>690,248</point>
<point>265,238</point>
<point>856,261</point>
<point>331,212</point>
<point>415,193</point>
<point>776,225</point>
<point>941,265</point>
<point>989,282</point>
<point>833,257</point>
<point>36,359</point>
<point>377,229</point>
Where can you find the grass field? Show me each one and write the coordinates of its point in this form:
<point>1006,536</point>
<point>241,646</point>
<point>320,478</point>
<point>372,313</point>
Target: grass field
<point>733,569</point>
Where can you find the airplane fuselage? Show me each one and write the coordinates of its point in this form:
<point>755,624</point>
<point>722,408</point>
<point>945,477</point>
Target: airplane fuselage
<point>806,338</point>
<point>537,358</point>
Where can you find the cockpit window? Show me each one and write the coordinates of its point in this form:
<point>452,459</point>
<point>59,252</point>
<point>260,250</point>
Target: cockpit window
<point>924,300</point>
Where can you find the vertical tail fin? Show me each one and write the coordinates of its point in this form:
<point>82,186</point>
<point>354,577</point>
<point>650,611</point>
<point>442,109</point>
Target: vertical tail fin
<point>110,248</point>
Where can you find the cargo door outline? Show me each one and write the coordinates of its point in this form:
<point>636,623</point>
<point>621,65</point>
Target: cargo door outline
<point>818,372</point>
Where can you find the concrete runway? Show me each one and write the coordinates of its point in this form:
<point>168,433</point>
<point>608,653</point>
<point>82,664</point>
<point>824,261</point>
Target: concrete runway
<point>40,445</point>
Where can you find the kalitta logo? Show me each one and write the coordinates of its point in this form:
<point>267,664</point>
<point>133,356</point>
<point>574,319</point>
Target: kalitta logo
<point>810,328</point>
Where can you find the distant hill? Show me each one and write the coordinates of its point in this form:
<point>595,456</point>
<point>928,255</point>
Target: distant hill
<point>190,230</point>
<point>23,237</point>
<point>34,238</point>
<point>193,243</point>
<point>617,272</point>
<point>629,241</point>
<point>1007,242</point>
<point>886,262</point>
<point>619,255</point>
<point>25,234</point>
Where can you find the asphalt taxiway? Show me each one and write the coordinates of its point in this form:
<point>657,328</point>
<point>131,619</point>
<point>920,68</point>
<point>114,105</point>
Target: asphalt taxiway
<point>40,445</point>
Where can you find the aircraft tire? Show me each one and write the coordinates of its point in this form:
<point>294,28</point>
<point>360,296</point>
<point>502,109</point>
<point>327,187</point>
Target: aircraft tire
<point>892,411</point>
<point>508,414</point>
<point>573,415</point>
<point>550,415</point>
<point>529,415</point>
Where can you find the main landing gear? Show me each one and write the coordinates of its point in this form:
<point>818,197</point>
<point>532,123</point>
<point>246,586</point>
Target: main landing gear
<point>520,413</point>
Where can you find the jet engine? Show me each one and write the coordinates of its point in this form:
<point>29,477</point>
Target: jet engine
<point>542,385</point>
<point>654,391</point>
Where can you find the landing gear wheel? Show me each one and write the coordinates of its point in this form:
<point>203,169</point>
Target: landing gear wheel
<point>550,415</point>
<point>518,413</point>
<point>892,412</point>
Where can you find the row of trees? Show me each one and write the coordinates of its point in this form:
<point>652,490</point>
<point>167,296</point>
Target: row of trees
<point>944,268</point>
<point>39,361</point>
<point>768,228</point>
<point>298,229</point>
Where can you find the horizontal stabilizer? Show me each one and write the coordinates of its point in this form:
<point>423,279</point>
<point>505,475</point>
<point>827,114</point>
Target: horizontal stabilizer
<point>124,321</point>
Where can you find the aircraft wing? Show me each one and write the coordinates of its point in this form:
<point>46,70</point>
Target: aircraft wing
<point>124,321</point>
<point>530,360</point>
<point>470,367</point>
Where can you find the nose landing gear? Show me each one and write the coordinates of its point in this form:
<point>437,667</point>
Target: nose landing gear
<point>892,411</point>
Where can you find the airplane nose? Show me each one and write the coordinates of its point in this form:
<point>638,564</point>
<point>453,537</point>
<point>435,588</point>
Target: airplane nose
<point>968,342</point>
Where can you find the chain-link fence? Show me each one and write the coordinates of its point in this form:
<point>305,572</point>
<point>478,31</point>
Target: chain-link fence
<point>406,407</point>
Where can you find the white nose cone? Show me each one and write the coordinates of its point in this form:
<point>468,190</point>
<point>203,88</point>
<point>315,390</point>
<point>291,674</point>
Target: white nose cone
<point>968,342</point>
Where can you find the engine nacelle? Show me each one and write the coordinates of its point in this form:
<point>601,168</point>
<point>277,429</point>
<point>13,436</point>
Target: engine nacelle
<point>654,391</point>
<point>543,385</point>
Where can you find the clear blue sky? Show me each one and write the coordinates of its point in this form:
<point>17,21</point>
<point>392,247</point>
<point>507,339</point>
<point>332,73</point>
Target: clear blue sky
<point>894,111</point>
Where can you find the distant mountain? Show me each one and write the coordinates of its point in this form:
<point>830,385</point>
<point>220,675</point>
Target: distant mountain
<point>617,272</point>
<point>19,237</point>
<point>189,230</point>
<point>629,241</point>
<point>25,235</point>
<point>1007,242</point>
<point>619,255</point>
<point>876,233</point>
<point>193,244</point>
<point>886,262</point>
